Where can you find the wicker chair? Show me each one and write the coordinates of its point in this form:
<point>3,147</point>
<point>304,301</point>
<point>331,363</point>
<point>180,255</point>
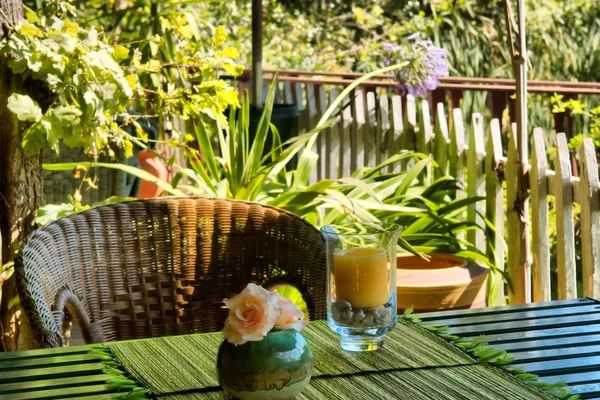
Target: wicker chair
<point>162,266</point>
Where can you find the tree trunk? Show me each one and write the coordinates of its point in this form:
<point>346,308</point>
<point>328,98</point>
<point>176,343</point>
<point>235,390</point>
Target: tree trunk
<point>21,192</point>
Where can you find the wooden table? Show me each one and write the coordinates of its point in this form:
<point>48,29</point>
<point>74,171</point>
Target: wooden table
<point>559,341</point>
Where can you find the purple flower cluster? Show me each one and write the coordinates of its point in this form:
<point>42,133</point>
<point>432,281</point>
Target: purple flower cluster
<point>427,64</point>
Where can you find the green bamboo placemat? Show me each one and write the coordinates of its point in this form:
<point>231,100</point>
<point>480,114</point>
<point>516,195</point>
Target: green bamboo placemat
<point>416,362</point>
<point>470,382</point>
<point>180,363</point>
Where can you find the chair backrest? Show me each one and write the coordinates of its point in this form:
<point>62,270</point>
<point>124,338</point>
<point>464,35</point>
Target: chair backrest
<point>162,266</point>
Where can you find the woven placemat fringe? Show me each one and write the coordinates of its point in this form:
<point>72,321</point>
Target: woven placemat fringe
<point>119,379</point>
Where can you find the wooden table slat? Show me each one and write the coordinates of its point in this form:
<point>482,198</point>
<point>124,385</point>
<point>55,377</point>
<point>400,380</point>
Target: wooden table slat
<point>555,354</point>
<point>546,343</point>
<point>39,353</point>
<point>591,390</point>
<point>43,362</point>
<point>59,383</point>
<point>517,316</point>
<point>567,365</point>
<point>65,393</point>
<point>529,325</point>
<point>574,378</point>
<point>50,373</point>
<point>507,309</point>
<point>582,331</point>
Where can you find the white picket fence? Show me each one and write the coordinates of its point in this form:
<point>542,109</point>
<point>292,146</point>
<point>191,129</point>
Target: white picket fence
<point>376,124</point>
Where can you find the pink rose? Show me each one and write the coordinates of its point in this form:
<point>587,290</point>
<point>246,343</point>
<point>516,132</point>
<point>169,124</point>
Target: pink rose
<point>251,315</point>
<point>289,315</point>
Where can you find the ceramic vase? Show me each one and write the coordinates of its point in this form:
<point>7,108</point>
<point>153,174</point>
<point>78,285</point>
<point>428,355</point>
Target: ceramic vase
<point>277,367</point>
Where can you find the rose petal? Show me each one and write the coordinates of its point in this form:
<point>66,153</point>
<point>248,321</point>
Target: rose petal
<point>298,325</point>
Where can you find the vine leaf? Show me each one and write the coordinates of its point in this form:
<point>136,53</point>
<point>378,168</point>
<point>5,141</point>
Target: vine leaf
<point>24,108</point>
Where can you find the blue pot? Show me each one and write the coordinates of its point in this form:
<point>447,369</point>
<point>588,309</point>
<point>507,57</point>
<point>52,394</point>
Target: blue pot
<point>276,368</point>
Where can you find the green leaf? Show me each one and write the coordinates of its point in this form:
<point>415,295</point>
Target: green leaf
<point>262,130</point>
<point>120,53</point>
<point>206,149</point>
<point>361,184</point>
<point>137,172</point>
<point>411,176</point>
<point>33,140</point>
<point>24,108</point>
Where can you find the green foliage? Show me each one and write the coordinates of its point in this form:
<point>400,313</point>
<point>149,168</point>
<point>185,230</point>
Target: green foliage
<point>575,107</point>
<point>80,72</point>
<point>92,77</point>
<point>51,212</point>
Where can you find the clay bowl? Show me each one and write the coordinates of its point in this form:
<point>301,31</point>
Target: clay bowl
<point>445,282</point>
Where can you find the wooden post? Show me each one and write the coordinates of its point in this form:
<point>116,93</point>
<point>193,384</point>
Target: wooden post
<point>410,126</point>
<point>257,79</point>
<point>384,148</point>
<point>565,231</point>
<point>358,128</point>
<point>519,272</point>
<point>518,223</point>
<point>441,141</point>
<point>590,220</point>
<point>424,135</point>
<point>456,152</point>
<point>538,182</point>
<point>494,207</point>
<point>346,153</point>
<point>371,138</point>
<point>476,182</point>
<point>398,129</point>
<point>323,136</point>
<point>334,134</point>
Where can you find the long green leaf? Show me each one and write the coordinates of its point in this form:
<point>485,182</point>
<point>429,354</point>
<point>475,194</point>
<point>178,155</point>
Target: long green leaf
<point>361,184</point>
<point>411,176</point>
<point>137,172</point>
<point>206,149</point>
<point>262,130</point>
<point>307,162</point>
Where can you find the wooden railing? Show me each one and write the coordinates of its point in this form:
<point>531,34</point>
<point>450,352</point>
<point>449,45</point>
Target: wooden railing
<point>451,90</point>
<point>378,123</point>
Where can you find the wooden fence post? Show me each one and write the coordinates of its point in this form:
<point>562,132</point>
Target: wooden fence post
<point>456,152</point>
<point>519,273</point>
<point>441,142</point>
<point>311,122</point>
<point>475,181</point>
<point>323,138</point>
<point>371,136</point>
<point>424,135</point>
<point>346,155</point>
<point>590,220</point>
<point>398,130</point>
<point>565,232</point>
<point>494,207</point>
<point>358,129</point>
<point>538,183</point>
<point>384,148</point>
<point>333,139</point>
<point>410,127</point>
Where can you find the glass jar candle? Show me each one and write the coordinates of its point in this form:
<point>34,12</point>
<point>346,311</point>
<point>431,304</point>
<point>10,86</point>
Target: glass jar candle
<point>361,282</point>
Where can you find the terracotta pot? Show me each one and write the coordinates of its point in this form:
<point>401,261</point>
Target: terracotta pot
<point>157,167</point>
<point>445,282</point>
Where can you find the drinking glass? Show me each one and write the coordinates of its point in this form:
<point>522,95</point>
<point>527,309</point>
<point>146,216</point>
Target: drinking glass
<point>361,282</point>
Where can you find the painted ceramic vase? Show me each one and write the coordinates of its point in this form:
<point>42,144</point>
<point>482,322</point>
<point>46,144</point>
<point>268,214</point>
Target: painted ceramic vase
<point>277,367</point>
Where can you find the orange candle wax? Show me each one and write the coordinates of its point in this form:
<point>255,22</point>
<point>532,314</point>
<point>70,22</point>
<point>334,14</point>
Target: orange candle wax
<point>361,276</point>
